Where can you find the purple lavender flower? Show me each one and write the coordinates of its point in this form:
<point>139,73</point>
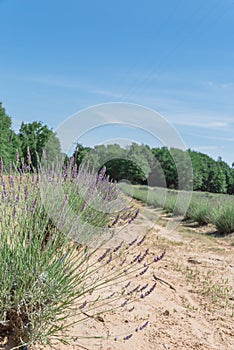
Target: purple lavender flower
<point>134,241</point>
<point>103,255</point>
<point>134,290</point>
<point>148,292</point>
<point>4,193</point>
<point>128,337</point>
<point>110,259</point>
<point>141,240</point>
<point>123,261</point>
<point>26,192</point>
<point>83,305</point>
<point>124,303</point>
<point>34,204</point>
<point>1,165</point>
<point>134,216</point>
<point>151,289</point>
<point>111,295</point>
<point>118,247</point>
<point>159,257</point>
<point>131,309</point>
<point>143,271</point>
<point>144,287</point>
<point>115,221</point>
<point>102,173</point>
<point>74,171</point>
<point>128,284</point>
<point>144,255</point>
<point>14,212</point>
<point>136,258</point>
<point>144,325</point>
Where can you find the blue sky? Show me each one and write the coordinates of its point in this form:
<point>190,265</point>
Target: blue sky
<point>175,56</point>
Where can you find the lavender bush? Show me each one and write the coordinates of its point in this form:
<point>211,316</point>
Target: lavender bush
<point>58,266</point>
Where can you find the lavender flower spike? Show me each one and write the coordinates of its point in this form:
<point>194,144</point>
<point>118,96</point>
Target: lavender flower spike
<point>159,257</point>
<point>102,173</point>
<point>144,325</point>
<point>128,337</point>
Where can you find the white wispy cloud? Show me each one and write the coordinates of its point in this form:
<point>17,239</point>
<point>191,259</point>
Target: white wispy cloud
<point>171,103</point>
<point>109,93</point>
<point>200,124</point>
<point>219,85</point>
<point>207,148</point>
<point>215,138</point>
<point>56,81</point>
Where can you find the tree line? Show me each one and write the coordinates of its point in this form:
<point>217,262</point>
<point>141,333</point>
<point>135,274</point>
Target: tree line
<point>138,164</point>
<point>31,136</point>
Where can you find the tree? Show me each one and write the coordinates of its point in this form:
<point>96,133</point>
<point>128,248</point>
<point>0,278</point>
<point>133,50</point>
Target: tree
<point>37,137</point>
<point>217,180</point>
<point>9,141</point>
<point>160,167</point>
<point>80,153</point>
<point>166,162</point>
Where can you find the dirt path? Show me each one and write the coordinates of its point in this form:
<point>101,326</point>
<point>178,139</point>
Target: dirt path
<point>196,312</point>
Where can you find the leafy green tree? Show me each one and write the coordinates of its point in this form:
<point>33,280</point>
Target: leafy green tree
<point>231,183</point>
<point>132,162</point>
<point>210,175</point>
<point>166,162</point>
<point>228,172</point>
<point>37,137</point>
<point>158,167</point>
<point>198,171</point>
<point>217,180</point>
<point>184,170</point>
<point>9,141</point>
<point>80,153</point>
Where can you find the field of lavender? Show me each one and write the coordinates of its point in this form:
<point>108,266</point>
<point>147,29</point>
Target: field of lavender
<point>204,207</point>
<point>57,260</point>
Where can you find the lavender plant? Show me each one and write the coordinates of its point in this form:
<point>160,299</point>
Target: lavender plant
<point>58,266</point>
<point>204,208</point>
<point>222,216</point>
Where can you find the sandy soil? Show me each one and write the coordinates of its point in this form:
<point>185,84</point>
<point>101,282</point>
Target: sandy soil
<point>194,309</point>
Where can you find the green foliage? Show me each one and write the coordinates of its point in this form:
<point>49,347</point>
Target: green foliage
<point>209,175</point>
<point>170,203</point>
<point>167,163</point>
<point>132,163</point>
<point>199,210</point>
<point>222,217</point>
<point>9,141</point>
<point>37,137</point>
<point>80,153</point>
<point>158,167</point>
